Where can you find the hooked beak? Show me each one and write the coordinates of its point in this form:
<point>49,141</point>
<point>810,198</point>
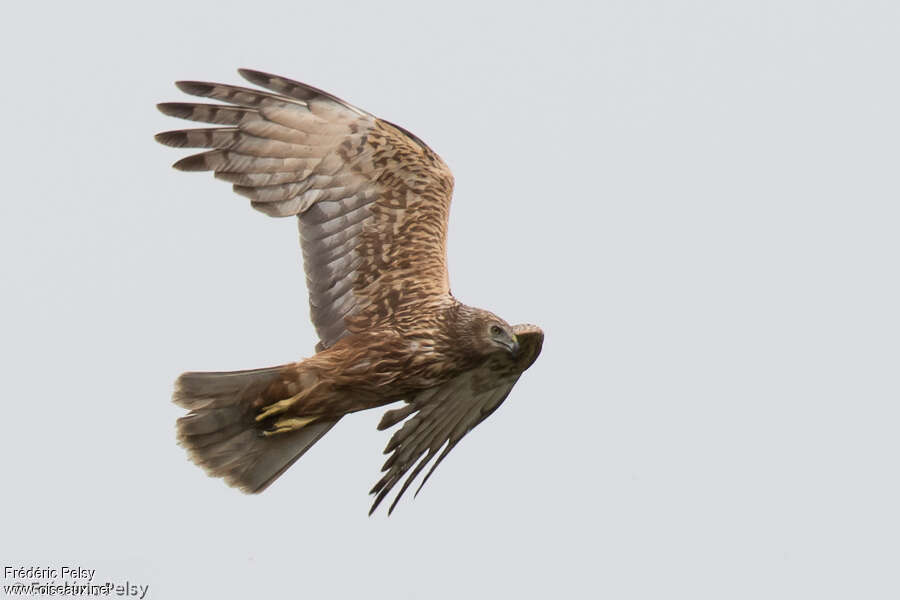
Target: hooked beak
<point>514,347</point>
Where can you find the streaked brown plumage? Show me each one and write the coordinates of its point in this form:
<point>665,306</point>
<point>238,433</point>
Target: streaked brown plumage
<point>372,202</point>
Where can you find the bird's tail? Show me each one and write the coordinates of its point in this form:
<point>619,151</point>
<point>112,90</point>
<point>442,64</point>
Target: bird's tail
<point>230,432</point>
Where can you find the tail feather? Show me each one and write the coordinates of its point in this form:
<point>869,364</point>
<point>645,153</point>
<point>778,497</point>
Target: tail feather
<point>221,434</point>
<point>284,452</point>
<point>224,388</point>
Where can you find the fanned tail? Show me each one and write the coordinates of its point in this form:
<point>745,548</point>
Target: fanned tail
<point>223,432</point>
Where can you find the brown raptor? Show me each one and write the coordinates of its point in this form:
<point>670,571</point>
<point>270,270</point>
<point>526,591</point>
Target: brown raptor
<point>372,202</point>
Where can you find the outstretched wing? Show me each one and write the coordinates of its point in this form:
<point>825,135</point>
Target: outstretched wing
<point>445,414</point>
<point>372,199</point>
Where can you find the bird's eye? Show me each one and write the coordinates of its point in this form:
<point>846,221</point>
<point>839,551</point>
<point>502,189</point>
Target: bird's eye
<point>495,330</point>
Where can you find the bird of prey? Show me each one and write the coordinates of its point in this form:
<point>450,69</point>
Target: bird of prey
<point>372,201</point>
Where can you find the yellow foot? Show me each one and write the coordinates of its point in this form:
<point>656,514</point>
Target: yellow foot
<point>277,407</point>
<point>291,424</point>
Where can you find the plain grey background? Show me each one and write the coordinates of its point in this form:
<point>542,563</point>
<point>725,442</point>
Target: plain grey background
<point>696,200</point>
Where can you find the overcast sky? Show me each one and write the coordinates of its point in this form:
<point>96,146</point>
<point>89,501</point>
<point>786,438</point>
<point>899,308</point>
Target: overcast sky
<point>697,201</point>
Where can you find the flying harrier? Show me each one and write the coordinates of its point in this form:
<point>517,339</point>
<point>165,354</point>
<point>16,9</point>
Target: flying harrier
<point>372,201</point>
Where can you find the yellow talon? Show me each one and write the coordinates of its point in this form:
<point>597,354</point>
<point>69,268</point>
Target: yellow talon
<point>291,424</point>
<point>277,407</point>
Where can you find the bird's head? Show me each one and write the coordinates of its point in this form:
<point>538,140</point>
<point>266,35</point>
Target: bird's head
<point>486,333</point>
<point>501,336</point>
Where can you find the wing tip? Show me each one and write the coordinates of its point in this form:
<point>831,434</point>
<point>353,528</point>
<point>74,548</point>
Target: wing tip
<point>194,162</point>
<point>180,110</point>
<point>175,139</point>
<point>254,76</point>
<point>195,88</point>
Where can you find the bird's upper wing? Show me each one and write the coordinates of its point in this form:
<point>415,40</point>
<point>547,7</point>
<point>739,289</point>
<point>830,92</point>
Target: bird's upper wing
<point>446,413</point>
<point>372,199</point>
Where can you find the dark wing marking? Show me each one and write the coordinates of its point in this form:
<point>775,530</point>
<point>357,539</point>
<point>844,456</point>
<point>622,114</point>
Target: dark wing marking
<point>445,414</point>
<point>372,200</point>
